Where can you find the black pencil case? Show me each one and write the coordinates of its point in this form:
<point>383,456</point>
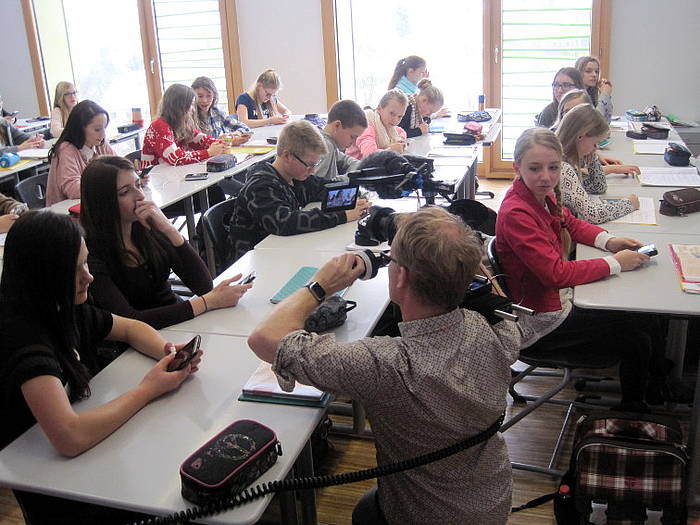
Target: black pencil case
<point>229,462</point>
<point>459,139</point>
<point>221,162</point>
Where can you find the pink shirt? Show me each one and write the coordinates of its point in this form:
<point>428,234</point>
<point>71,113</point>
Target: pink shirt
<point>367,142</point>
<point>67,165</point>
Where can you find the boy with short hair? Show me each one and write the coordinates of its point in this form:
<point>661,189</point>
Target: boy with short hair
<point>346,122</point>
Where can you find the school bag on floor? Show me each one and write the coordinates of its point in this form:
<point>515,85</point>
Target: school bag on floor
<point>634,461</point>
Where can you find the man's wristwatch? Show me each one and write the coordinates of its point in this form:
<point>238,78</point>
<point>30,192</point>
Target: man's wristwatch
<point>317,291</point>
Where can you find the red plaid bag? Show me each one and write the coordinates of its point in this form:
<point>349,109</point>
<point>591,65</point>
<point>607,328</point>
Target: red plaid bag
<point>638,459</point>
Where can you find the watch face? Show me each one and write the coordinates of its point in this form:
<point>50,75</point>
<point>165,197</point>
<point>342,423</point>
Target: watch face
<point>317,290</point>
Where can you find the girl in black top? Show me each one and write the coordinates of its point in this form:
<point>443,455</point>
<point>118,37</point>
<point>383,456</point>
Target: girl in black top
<point>421,105</point>
<point>133,248</point>
<point>48,353</point>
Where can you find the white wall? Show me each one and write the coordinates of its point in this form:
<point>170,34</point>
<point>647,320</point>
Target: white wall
<point>16,79</point>
<point>285,35</point>
<point>654,56</point>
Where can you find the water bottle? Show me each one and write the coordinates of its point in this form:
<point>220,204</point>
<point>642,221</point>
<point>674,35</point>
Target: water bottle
<point>565,507</point>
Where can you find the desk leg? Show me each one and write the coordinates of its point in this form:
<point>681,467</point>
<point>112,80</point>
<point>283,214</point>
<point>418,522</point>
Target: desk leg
<point>676,339</point>
<point>288,505</point>
<point>693,447</point>
<point>304,467</point>
<point>191,226</point>
<point>208,245</point>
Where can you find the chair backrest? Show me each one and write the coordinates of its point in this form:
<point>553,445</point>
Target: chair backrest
<point>32,190</point>
<point>216,225</point>
<point>496,266</point>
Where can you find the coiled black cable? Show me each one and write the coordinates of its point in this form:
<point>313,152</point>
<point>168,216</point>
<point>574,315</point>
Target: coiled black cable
<point>270,487</point>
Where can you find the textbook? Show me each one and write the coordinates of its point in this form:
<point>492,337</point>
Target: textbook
<point>263,387</point>
<point>686,259</point>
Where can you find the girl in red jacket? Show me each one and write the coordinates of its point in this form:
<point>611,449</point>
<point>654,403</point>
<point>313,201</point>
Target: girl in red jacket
<point>534,234</point>
<point>173,137</point>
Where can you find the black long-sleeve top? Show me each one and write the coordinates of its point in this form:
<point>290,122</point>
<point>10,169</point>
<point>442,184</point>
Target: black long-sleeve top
<point>144,293</point>
<point>268,205</point>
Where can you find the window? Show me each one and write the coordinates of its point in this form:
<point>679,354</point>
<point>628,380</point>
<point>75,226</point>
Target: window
<point>372,36</point>
<point>189,42</point>
<point>538,38</point>
<point>103,59</point>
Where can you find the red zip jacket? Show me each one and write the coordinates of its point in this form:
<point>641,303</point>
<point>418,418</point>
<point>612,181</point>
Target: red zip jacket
<point>528,246</point>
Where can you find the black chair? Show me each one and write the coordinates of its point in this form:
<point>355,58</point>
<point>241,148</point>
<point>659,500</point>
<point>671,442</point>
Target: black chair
<point>32,190</point>
<point>216,226</point>
<point>561,355</point>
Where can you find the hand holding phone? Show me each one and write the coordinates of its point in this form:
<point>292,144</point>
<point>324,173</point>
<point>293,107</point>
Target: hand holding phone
<point>247,279</point>
<point>185,354</point>
<point>649,249</point>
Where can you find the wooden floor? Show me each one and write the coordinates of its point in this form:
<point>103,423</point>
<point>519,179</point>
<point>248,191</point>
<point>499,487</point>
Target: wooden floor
<point>530,440</point>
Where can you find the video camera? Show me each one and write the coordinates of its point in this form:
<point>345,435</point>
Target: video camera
<point>394,176</point>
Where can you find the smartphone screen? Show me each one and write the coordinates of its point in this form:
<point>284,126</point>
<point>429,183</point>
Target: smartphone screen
<point>340,197</point>
<point>185,354</point>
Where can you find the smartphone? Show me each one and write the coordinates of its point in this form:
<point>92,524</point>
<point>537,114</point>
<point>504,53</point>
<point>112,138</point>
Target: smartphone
<point>197,176</point>
<point>272,140</point>
<point>649,249</point>
<point>248,278</point>
<point>247,133</point>
<point>185,354</point>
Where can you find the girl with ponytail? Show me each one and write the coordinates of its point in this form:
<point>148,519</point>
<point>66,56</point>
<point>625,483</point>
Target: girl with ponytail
<point>533,235</point>
<point>407,74</point>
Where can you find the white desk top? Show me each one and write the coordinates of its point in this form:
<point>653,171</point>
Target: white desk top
<point>5,173</point>
<point>137,467</point>
<point>622,147</point>
<point>654,287</point>
<point>273,269</point>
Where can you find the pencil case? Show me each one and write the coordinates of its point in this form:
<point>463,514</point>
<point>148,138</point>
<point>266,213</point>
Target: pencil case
<point>680,202</point>
<point>677,154</point>
<point>229,462</point>
<point>221,162</point>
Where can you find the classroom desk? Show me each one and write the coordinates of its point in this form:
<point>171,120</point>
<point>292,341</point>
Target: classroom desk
<point>13,172</point>
<point>621,147</point>
<point>29,126</point>
<point>273,269</point>
<point>137,467</point>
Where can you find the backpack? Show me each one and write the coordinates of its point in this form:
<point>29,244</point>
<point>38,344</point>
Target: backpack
<point>632,462</point>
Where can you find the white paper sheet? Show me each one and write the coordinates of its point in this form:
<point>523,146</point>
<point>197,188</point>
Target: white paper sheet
<point>646,214</point>
<point>675,177</point>
<point>650,147</point>
<point>34,153</point>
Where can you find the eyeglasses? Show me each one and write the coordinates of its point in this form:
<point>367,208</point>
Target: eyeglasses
<point>69,93</point>
<point>563,85</point>
<point>306,164</point>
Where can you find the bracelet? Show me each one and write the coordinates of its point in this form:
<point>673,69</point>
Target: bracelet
<point>206,306</point>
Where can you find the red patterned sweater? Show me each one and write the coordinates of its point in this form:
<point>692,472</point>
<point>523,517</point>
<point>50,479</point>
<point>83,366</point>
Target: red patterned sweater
<point>159,145</point>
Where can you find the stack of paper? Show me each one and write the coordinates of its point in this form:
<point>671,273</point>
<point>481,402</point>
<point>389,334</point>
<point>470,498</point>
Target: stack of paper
<point>672,177</point>
<point>686,258</point>
<point>646,214</point>
<point>650,147</point>
<point>263,387</point>
<point>34,153</point>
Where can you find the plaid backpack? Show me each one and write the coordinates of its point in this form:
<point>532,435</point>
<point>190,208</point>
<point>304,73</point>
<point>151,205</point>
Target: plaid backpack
<point>632,462</point>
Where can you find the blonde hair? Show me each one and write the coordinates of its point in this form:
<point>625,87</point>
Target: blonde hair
<point>62,88</point>
<point>300,137</point>
<point>581,120</point>
<point>432,94</point>
<point>441,253</point>
<point>546,138</point>
<point>393,94</point>
<point>574,94</point>
<point>176,109</point>
<point>269,79</point>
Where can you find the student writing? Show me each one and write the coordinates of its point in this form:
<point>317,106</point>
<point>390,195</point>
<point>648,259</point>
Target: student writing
<point>260,106</point>
<point>346,122</point>
<point>421,105</point>
<point>383,131</point>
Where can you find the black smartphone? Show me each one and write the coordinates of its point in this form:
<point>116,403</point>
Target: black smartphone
<point>185,354</point>
<point>248,278</point>
<point>272,140</point>
<point>649,249</point>
<point>197,176</point>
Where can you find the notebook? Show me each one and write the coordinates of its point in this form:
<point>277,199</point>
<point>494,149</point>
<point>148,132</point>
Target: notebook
<point>264,388</point>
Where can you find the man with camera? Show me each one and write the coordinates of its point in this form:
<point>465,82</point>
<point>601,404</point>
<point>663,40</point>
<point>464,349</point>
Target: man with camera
<point>444,379</point>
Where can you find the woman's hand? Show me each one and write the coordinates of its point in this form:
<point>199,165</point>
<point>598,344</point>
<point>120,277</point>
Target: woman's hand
<point>622,243</point>
<point>624,169</point>
<point>634,200</point>
<point>629,260</point>
<point>216,148</point>
<point>278,119</point>
<point>238,138</point>
<point>158,380</point>
<point>34,142</point>
<point>360,210</point>
<point>151,217</point>
<point>226,293</point>
<point>424,128</point>
<point>605,161</point>
<point>605,86</point>
<point>6,222</point>
<point>398,147</point>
